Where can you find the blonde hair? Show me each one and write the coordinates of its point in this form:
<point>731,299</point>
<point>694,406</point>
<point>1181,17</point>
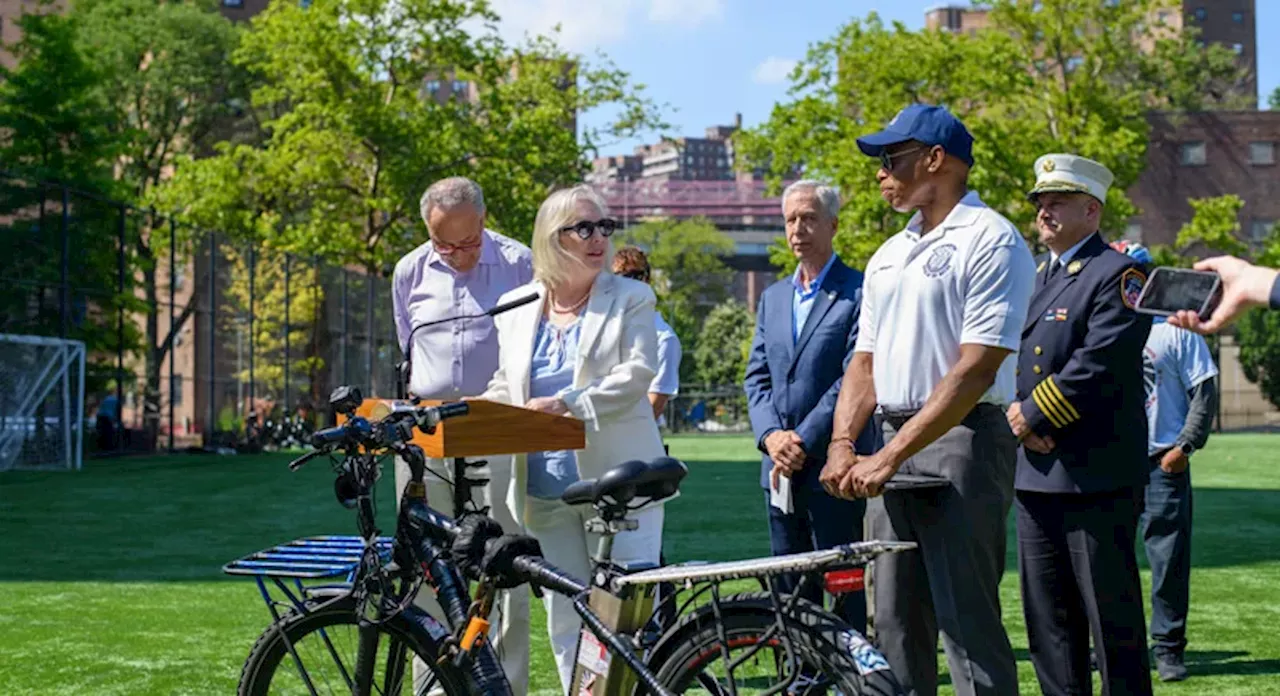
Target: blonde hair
<point>551,263</point>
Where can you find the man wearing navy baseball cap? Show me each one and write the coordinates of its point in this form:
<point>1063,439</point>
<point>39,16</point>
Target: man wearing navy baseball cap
<point>929,126</point>
<point>943,307</point>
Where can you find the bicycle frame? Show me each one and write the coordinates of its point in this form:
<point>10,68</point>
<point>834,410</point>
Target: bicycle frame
<point>417,553</point>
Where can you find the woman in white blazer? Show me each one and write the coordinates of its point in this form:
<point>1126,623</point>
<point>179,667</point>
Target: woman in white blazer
<point>587,348</point>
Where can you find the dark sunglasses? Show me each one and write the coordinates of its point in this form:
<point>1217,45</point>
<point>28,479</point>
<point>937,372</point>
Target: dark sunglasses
<point>586,228</point>
<point>886,158</point>
<point>636,275</point>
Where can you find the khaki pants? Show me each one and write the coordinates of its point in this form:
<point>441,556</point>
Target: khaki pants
<point>509,628</point>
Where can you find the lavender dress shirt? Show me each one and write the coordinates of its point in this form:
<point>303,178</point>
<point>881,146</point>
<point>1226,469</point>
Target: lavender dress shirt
<point>458,358</point>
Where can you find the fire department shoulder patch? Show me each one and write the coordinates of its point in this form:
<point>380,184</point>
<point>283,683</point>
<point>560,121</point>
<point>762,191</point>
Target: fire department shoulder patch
<point>1131,282</point>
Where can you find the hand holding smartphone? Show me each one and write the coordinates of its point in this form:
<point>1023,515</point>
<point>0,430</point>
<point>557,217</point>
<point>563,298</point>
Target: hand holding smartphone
<point>1171,290</point>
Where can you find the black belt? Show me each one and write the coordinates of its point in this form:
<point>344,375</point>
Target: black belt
<point>898,417</point>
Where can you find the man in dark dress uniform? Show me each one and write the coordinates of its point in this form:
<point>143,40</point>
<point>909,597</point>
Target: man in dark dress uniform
<point>1080,416</point>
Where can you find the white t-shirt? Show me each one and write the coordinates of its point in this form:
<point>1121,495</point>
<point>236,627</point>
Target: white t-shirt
<point>666,379</point>
<point>1174,362</point>
<point>969,280</point>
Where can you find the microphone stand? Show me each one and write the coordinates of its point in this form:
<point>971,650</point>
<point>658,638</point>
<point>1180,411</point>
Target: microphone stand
<point>461,484</point>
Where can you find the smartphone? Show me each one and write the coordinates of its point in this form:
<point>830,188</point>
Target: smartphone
<point>1169,290</point>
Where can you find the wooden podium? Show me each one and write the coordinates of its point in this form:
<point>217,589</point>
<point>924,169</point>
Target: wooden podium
<point>490,428</point>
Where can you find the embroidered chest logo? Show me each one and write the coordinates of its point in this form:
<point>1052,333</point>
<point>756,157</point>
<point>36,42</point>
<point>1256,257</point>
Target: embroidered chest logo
<point>939,260</point>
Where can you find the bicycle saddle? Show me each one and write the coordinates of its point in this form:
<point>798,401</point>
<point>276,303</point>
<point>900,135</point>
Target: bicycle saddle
<point>629,480</point>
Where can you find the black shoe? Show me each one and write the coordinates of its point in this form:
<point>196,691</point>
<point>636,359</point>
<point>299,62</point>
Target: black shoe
<point>1169,667</point>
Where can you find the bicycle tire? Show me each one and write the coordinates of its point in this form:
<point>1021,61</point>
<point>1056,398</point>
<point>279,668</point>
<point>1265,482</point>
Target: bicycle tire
<point>819,637</point>
<point>270,650</point>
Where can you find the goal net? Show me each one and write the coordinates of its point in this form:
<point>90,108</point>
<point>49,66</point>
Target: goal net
<point>41,402</point>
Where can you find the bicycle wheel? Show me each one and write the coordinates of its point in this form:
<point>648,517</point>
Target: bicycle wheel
<point>325,639</point>
<point>816,654</point>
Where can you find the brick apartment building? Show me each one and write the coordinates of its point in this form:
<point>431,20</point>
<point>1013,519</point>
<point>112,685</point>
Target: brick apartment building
<point>709,158</point>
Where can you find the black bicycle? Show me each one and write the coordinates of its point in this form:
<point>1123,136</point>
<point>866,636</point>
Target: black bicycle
<point>360,636</point>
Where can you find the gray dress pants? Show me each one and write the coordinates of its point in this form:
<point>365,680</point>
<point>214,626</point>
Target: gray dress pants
<point>951,583</point>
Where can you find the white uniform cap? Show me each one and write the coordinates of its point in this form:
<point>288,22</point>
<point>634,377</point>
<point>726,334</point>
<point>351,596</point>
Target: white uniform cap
<point>1071,174</point>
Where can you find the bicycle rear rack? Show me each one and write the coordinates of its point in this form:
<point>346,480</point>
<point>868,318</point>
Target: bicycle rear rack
<point>308,558</point>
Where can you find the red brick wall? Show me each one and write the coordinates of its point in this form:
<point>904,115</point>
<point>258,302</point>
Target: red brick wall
<point>1163,189</point>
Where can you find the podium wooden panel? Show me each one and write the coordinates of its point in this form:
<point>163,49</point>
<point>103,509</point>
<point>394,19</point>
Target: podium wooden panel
<point>490,428</point>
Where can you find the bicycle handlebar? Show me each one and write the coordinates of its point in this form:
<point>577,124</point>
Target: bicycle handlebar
<point>358,431</point>
<point>538,571</point>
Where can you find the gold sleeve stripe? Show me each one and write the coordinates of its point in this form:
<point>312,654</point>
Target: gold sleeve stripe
<point>1049,399</point>
<point>1062,400</point>
<point>1052,415</point>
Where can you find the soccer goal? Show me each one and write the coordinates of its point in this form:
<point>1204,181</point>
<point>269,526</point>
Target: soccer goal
<point>41,402</point>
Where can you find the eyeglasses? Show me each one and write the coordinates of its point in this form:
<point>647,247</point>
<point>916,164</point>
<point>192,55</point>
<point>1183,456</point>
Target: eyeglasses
<point>586,228</point>
<point>640,275</point>
<point>886,159</point>
<point>443,248</point>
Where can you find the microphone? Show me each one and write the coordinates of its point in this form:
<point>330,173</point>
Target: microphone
<point>518,302</point>
<point>406,367</point>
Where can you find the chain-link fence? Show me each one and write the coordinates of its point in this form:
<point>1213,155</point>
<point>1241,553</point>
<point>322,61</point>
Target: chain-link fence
<point>192,338</point>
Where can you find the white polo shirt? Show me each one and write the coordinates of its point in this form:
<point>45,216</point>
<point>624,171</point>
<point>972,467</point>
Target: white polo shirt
<point>969,280</point>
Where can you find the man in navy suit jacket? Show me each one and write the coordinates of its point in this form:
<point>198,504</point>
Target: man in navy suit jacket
<point>805,330</point>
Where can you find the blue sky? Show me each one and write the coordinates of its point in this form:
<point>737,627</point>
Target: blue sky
<point>710,59</point>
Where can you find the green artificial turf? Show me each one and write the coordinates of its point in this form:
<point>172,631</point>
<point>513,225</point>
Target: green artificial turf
<point>111,583</point>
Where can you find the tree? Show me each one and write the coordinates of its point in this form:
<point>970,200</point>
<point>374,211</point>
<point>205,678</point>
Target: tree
<point>1273,102</point>
<point>55,125</point>
<point>1052,76</point>
<point>267,311</point>
<point>1214,226</point>
<point>719,359</point>
<point>1258,333</point>
<point>349,96</point>
<point>171,89</point>
<point>689,273</point>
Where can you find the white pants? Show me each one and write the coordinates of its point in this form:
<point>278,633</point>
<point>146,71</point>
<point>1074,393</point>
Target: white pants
<point>567,545</point>
<point>509,627</point>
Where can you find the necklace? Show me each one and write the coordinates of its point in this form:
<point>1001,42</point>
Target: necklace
<point>569,310</point>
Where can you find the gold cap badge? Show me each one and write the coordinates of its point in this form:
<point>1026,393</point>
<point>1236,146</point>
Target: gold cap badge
<point>1047,166</point>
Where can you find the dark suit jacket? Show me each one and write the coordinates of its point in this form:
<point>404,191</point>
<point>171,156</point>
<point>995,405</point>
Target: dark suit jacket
<point>1080,375</point>
<point>794,386</point>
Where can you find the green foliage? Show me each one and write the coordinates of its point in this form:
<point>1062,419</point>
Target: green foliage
<point>166,76</point>
<point>304,299</point>
<point>1258,334</point>
<point>353,131</point>
<point>1213,230</point>
<point>56,126</point>
<point>52,111</point>
<point>169,87</point>
<point>1273,101</point>
<point>689,273</point>
<point>1053,76</point>
<point>718,357</point>
<point>1215,225</point>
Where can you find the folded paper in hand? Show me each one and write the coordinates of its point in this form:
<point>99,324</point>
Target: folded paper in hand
<point>780,497</point>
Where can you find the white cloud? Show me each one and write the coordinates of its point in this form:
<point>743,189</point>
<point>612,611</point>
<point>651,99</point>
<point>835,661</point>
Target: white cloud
<point>687,13</point>
<point>773,70</point>
<point>587,25</point>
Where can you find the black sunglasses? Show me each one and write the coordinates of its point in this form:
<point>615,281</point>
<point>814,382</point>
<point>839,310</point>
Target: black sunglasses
<point>586,228</point>
<point>886,158</point>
